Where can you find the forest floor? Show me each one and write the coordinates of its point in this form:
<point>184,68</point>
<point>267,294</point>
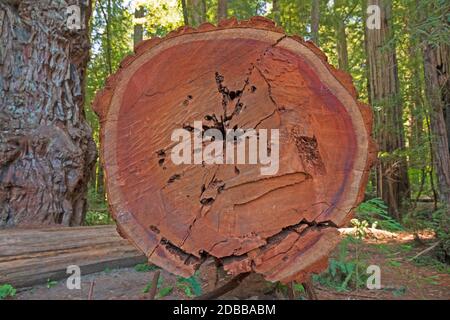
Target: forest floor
<point>401,277</point>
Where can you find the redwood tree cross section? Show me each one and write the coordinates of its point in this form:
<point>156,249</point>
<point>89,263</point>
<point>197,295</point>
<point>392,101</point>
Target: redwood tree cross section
<point>239,75</point>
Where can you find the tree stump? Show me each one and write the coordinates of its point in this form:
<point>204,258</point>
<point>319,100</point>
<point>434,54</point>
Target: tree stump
<point>238,75</point>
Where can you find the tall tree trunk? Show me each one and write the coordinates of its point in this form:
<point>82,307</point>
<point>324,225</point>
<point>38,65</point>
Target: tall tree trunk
<point>341,34</point>
<point>436,57</point>
<point>315,18</point>
<point>204,8</point>
<point>100,181</point>
<point>392,178</point>
<point>46,149</point>
<point>435,82</point>
<point>185,12</point>
<point>416,113</point>
<point>196,12</point>
<point>276,11</point>
<point>222,8</point>
<point>138,34</point>
<point>443,70</point>
<point>108,37</point>
<point>341,44</point>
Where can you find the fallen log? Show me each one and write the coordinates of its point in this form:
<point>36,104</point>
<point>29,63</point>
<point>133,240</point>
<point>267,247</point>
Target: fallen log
<point>32,256</point>
<point>275,210</point>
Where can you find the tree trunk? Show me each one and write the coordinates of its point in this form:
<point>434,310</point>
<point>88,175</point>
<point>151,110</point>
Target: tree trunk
<point>280,224</point>
<point>138,34</point>
<point>435,82</point>
<point>99,183</point>
<point>196,12</point>
<point>185,12</point>
<point>276,11</point>
<point>341,45</point>
<point>46,150</point>
<point>315,18</point>
<point>222,8</point>
<point>392,177</point>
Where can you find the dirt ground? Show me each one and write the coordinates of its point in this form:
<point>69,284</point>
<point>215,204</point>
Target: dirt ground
<point>401,278</point>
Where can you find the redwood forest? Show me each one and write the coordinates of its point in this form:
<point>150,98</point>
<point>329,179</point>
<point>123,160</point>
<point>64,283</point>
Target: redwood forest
<point>224,149</point>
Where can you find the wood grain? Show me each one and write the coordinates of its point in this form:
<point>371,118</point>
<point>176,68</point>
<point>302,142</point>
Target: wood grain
<point>246,75</point>
<point>32,256</point>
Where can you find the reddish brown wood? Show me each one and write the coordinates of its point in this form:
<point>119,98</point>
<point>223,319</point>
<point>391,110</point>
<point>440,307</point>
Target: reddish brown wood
<point>280,226</point>
<point>154,287</point>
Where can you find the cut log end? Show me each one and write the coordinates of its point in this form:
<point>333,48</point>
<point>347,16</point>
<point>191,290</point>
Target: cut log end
<point>240,75</point>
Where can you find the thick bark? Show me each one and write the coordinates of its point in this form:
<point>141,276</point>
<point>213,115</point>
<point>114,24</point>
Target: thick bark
<point>222,8</point>
<point>435,83</point>
<point>315,19</point>
<point>244,75</point>
<point>443,71</point>
<point>46,149</point>
<point>384,92</point>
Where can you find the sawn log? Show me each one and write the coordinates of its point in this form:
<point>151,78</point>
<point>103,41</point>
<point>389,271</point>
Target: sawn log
<point>238,75</point>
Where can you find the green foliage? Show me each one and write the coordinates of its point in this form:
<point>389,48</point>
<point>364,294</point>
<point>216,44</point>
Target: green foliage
<point>298,288</point>
<point>162,16</point>
<point>434,279</point>
<point>395,263</point>
<point>344,273</point>
<point>7,290</point>
<point>149,285</point>
<point>374,211</point>
<point>430,261</point>
<point>164,292</point>
<point>190,286</point>
<point>399,291</point>
<point>111,40</point>
<point>145,267</point>
<point>51,283</point>
<point>441,224</point>
<point>98,213</point>
<point>246,9</point>
<point>283,289</point>
<point>439,221</point>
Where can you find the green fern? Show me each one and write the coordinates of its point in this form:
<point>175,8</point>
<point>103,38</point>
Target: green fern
<point>7,290</point>
<point>375,211</point>
<point>191,286</point>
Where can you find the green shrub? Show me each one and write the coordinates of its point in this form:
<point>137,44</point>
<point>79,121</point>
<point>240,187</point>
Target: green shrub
<point>7,290</point>
<point>440,223</point>
<point>191,286</point>
<point>344,273</point>
<point>375,212</point>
